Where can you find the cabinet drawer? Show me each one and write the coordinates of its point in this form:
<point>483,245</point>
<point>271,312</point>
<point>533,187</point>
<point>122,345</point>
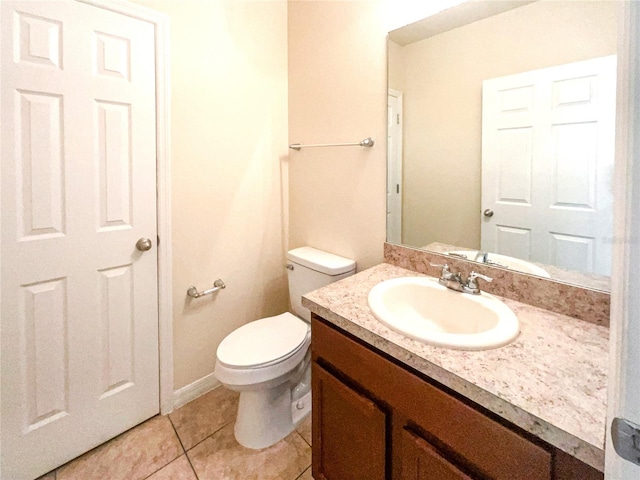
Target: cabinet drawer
<point>484,445</point>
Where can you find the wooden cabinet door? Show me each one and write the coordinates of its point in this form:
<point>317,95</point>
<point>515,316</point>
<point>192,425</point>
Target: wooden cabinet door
<point>349,431</point>
<point>420,461</point>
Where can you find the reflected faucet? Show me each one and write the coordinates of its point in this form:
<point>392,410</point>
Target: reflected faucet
<point>482,257</point>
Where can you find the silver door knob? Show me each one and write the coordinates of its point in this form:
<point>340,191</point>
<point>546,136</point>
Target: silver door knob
<point>488,212</point>
<point>143,244</point>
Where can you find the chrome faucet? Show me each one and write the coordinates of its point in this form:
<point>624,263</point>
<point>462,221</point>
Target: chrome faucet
<point>448,278</point>
<point>454,281</point>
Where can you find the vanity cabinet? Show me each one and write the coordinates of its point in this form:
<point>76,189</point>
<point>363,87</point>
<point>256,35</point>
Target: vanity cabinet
<point>375,419</point>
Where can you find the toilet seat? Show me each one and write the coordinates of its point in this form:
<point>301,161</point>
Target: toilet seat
<point>263,343</point>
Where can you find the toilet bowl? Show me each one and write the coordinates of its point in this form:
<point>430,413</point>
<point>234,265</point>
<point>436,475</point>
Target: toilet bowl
<point>269,360</point>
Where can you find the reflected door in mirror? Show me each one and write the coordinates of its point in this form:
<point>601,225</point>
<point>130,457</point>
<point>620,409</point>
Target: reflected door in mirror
<point>547,161</point>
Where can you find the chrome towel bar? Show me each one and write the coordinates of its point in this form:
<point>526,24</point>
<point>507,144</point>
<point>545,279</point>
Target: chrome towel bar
<point>367,142</point>
<point>217,285</point>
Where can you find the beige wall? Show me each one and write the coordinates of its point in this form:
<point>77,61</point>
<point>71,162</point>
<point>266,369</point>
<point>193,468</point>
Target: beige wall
<point>231,80</point>
<point>442,104</point>
<point>229,130</point>
<point>395,66</point>
<point>337,93</point>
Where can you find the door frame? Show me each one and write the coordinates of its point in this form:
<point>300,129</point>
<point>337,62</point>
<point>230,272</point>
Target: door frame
<point>623,394</point>
<point>160,22</point>
<point>398,95</point>
<point>163,189</point>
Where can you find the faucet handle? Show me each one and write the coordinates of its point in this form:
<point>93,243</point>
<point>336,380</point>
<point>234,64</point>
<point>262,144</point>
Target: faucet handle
<point>443,266</point>
<point>473,275</point>
<point>472,284</point>
<point>446,274</point>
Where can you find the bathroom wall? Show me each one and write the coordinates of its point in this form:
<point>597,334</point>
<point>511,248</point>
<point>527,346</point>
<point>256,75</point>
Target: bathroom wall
<point>229,132</point>
<point>337,85</point>
<point>337,93</point>
<point>442,105</point>
<point>229,128</point>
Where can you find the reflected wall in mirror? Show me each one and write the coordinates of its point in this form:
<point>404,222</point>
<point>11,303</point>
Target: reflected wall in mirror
<point>542,166</point>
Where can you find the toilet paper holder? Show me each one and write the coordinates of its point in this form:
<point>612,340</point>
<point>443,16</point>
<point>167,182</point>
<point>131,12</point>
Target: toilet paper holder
<point>217,285</point>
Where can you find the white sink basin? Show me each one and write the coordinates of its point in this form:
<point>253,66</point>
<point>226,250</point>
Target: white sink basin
<point>504,261</point>
<point>421,308</point>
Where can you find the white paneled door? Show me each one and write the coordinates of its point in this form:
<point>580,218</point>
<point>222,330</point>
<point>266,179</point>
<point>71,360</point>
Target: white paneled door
<point>78,190</point>
<point>547,165</point>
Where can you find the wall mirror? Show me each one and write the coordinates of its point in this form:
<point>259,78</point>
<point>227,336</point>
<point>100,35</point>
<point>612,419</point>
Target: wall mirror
<point>501,125</point>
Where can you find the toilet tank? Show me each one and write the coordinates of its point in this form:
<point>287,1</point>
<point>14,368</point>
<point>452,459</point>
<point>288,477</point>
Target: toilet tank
<point>309,269</point>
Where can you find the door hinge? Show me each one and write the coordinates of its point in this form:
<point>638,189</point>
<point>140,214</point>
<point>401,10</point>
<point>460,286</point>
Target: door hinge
<point>626,439</point>
<point>157,240</point>
<point>398,119</point>
<point>397,188</point>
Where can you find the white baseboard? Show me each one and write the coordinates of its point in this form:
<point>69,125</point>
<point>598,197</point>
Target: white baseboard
<point>190,392</point>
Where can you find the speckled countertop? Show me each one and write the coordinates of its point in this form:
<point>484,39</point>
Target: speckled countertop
<point>551,381</point>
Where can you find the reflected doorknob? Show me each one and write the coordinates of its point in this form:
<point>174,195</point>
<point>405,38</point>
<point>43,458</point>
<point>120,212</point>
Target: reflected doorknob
<point>143,244</point>
<point>488,212</point>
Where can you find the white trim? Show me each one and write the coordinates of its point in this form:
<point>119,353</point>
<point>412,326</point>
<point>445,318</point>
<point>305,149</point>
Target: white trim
<point>163,179</point>
<point>165,273</point>
<point>624,378</point>
<point>398,95</point>
<point>190,392</point>
<point>1,159</point>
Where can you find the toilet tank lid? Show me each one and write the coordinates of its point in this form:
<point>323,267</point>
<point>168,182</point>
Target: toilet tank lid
<point>320,261</point>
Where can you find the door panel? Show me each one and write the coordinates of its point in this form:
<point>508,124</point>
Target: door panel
<point>513,241</point>
<point>79,302</point>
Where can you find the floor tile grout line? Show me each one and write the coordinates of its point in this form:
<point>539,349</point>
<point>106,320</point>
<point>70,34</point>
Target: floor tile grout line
<point>174,459</point>
<point>192,467</point>
<point>305,440</point>
<point>184,450</point>
<point>111,441</point>
<point>208,436</point>
<point>166,464</point>
<point>303,472</point>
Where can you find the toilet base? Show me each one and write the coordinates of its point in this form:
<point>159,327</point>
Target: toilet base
<point>301,408</point>
<point>264,417</point>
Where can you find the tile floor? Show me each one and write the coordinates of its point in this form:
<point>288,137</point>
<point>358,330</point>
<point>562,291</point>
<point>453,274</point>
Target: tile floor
<point>195,442</point>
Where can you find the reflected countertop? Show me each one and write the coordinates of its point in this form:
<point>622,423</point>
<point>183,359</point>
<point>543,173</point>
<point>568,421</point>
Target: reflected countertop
<point>551,381</point>
<point>588,280</point>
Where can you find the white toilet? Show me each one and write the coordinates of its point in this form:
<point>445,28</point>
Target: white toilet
<point>268,360</point>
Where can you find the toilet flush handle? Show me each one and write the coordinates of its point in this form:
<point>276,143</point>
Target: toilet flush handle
<point>289,266</point>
